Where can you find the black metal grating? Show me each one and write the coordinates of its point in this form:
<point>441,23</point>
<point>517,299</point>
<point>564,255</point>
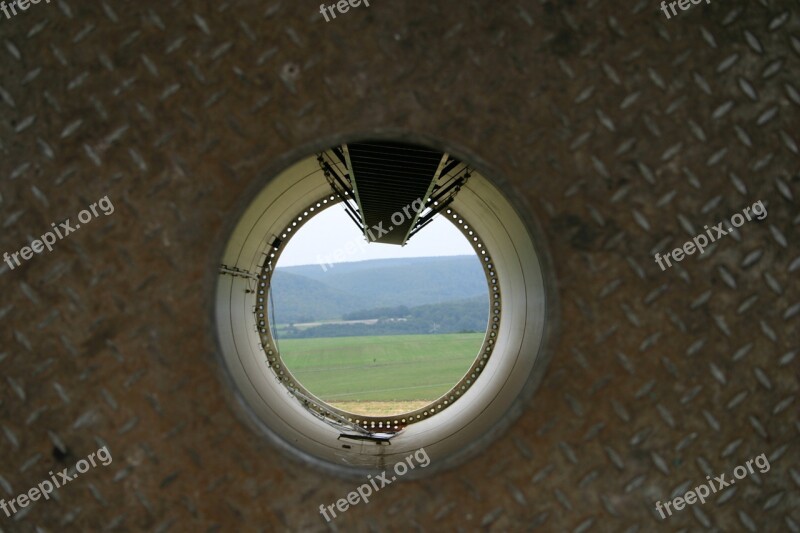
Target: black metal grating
<point>389,176</point>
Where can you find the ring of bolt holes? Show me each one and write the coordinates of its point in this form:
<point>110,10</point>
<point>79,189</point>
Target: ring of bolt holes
<point>396,422</point>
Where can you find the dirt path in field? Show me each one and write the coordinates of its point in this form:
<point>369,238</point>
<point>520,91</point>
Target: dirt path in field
<point>380,408</point>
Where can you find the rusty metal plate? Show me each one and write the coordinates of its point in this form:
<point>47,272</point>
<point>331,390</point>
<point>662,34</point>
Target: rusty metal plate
<point>626,133</point>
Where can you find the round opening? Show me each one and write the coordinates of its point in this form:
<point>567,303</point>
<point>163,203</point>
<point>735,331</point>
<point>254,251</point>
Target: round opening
<point>380,184</point>
<point>375,330</point>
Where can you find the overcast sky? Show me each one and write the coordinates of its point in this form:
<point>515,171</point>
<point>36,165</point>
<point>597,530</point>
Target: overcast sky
<point>332,229</point>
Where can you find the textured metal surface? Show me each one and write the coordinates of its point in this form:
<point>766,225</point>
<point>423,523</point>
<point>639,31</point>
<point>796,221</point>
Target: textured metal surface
<point>626,132</point>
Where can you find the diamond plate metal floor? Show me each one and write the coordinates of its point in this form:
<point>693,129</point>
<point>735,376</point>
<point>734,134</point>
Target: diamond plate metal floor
<point>626,132</point>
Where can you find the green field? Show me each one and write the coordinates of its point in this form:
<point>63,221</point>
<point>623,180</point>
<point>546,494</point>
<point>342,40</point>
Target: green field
<point>381,369</point>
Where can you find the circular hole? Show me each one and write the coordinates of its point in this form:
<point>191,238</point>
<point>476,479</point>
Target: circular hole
<point>335,297</point>
<point>307,423</point>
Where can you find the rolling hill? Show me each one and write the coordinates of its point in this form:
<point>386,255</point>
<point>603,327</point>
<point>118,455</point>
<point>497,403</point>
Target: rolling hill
<point>308,293</point>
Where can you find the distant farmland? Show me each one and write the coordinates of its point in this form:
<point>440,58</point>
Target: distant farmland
<point>381,375</point>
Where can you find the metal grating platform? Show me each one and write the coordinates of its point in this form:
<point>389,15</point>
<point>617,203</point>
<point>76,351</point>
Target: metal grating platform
<point>625,132</point>
<point>388,177</point>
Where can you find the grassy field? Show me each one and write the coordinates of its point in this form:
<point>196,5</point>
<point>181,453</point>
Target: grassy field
<point>402,369</point>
